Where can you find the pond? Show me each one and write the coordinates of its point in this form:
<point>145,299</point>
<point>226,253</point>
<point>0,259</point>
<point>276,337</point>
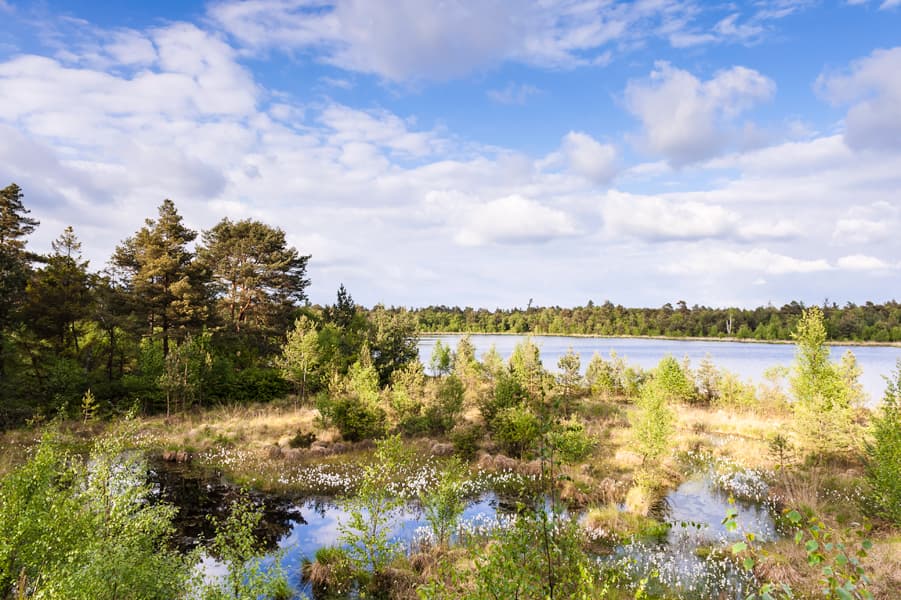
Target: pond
<point>296,528</point>
<point>747,359</point>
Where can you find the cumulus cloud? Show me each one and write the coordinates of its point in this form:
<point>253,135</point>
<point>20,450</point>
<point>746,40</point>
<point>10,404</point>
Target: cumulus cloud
<point>686,119</point>
<point>589,158</point>
<point>865,224</point>
<point>509,220</point>
<point>659,219</point>
<point>872,87</point>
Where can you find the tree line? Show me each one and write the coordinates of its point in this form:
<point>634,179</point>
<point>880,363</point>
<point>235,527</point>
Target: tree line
<point>174,320</point>
<point>866,323</point>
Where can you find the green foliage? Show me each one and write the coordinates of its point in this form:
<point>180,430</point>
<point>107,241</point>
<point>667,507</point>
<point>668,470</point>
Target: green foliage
<point>822,392</point>
<point>70,530</point>
<point>570,441</point>
<point>302,439</point>
<point>508,392</point>
<point>493,363</point>
<point>539,557</point>
<point>653,423</point>
<point>734,393</point>
<point>569,378</point>
<point>884,452</point>
<point>165,283</point>
<point>525,364</point>
<point>247,577</point>
<point>465,437</point>
<point>89,407</point>
<point>355,419</point>
<point>707,379</point>
<point>300,355</point>
<point>442,359</point>
<point>838,564</point>
<point>364,383</point>
<point>444,503</point>
<point>672,382</point>
<point>373,510</point>
<point>256,278</point>
<point>443,413</point>
<point>256,384</point>
<point>393,341</point>
<point>600,377</point>
<point>517,429</point>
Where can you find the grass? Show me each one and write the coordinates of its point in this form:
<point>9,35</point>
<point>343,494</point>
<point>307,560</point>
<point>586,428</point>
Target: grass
<point>610,525</point>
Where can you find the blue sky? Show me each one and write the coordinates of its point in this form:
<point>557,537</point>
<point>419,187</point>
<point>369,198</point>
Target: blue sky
<point>479,152</point>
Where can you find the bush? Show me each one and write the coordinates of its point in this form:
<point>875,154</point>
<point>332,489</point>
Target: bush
<point>302,439</point>
<point>441,415</point>
<point>517,429</point>
<point>507,393</point>
<point>257,385</point>
<point>571,442</point>
<point>672,382</point>
<point>355,419</point>
<point>465,439</point>
<point>75,530</point>
<point>884,453</point>
<point>652,423</point>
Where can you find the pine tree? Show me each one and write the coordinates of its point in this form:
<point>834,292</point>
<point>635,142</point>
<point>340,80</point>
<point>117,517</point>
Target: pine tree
<point>163,280</point>
<point>257,277</point>
<point>59,293</point>
<point>15,226</point>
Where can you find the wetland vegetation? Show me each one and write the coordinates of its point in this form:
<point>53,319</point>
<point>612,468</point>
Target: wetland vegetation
<point>181,425</point>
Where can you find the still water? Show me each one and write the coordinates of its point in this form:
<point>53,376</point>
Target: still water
<point>748,360</point>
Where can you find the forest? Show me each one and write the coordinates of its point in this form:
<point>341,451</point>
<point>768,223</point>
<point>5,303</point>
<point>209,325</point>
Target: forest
<point>849,323</point>
<point>196,360</point>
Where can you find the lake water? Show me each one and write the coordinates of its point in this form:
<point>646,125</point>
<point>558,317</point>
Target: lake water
<point>748,360</point>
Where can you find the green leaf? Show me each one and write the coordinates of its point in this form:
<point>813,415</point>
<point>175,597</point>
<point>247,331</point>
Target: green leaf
<point>811,546</point>
<point>748,563</point>
<point>739,547</point>
<point>794,516</point>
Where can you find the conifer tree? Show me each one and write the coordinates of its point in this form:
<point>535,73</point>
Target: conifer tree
<point>163,279</point>
<point>257,278</point>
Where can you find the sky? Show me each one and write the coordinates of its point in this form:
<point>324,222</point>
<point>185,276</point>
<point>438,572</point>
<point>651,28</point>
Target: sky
<point>479,152</point>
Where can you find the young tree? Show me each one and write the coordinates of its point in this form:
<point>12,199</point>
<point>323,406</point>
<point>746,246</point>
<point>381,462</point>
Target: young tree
<point>823,414</point>
<point>255,276</point>
<point>163,280</point>
<point>653,423</point>
<point>525,363</point>
<point>672,382</point>
<point>884,452</point>
<point>442,359</point>
<point>300,355</point>
<point>569,378</point>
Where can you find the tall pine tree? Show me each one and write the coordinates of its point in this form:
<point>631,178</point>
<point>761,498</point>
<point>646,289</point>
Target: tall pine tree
<point>15,226</point>
<point>165,283</point>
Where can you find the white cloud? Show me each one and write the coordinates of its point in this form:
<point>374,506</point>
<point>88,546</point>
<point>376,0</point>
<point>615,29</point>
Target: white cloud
<point>589,158</point>
<point>687,120</point>
<point>402,40</point>
<point>757,260</point>
<point>862,262</point>
<point>866,224</point>
<point>513,220</point>
<point>872,87</point>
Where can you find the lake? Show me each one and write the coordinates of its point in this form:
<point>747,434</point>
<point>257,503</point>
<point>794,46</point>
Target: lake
<point>748,360</point>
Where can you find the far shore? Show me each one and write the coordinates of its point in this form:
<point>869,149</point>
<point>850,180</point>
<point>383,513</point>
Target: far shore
<point>660,337</point>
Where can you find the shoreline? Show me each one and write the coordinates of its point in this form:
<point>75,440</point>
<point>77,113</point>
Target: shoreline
<point>851,343</point>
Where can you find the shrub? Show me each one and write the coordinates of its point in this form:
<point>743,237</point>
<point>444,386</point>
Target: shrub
<point>75,530</point>
<point>571,442</point>
<point>443,503</point>
<point>517,429</point>
<point>465,438</point>
<point>302,439</point>
<point>257,385</point>
<point>734,393</point>
<point>507,393</point>
<point>652,423</point>
<point>355,419</point>
<point>884,453</point>
<point>671,381</point>
<point>441,415</point>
